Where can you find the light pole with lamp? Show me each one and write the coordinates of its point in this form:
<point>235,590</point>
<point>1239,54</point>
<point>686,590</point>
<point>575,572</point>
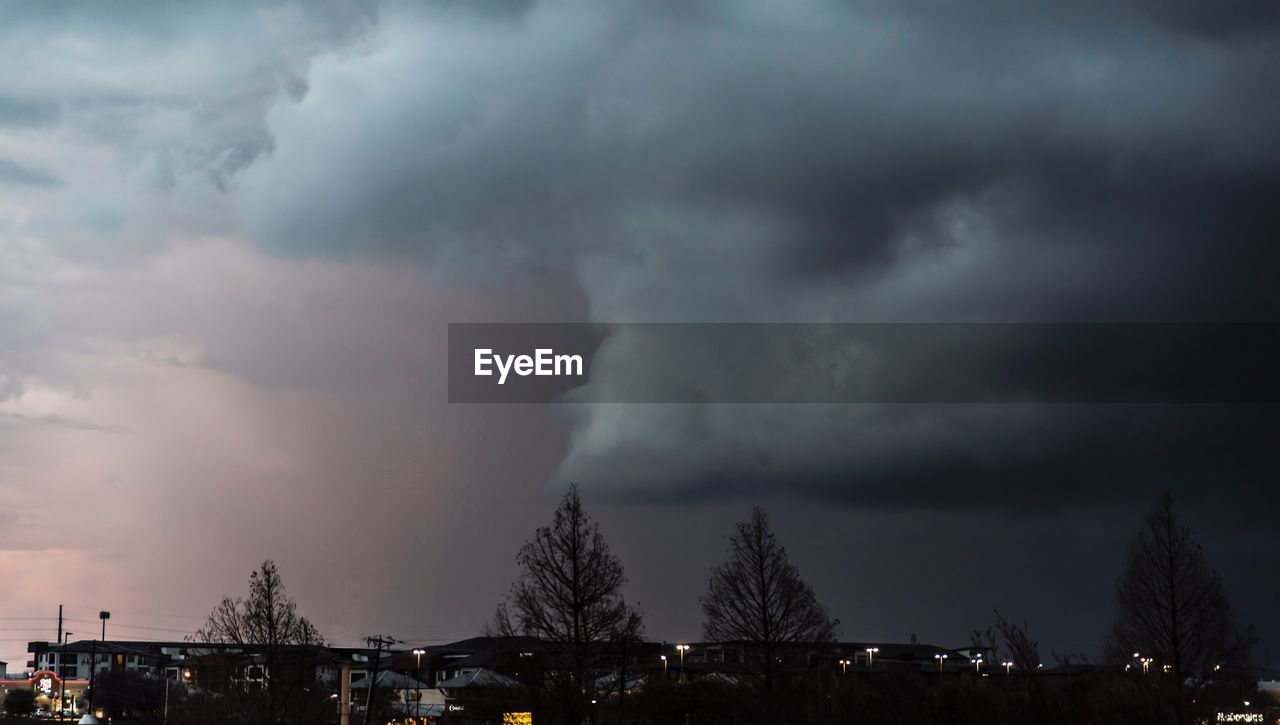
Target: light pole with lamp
<point>417,680</point>
<point>871,656</point>
<point>941,658</point>
<point>682,648</point>
<point>664,667</point>
<point>93,658</point>
<point>844,667</point>
<point>1144,661</point>
<point>186,677</point>
<point>1008,665</point>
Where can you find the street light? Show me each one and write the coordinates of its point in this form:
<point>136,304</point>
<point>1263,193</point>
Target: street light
<point>417,679</point>
<point>1008,665</point>
<point>940,658</point>
<point>186,675</point>
<point>93,658</point>
<point>977,663</point>
<point>1146,662</point>
<point>664,666</point>
<point>871,656</point>
<point>844,667</point>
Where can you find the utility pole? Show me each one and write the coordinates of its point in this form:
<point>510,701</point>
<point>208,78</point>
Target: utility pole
<point>378,641</point>
<point>62,693</point>
<point>62,653</point>
<point>344,697</point>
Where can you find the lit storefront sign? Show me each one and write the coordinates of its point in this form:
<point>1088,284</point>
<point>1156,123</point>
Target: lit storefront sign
<point>1241,717</point>
<point>45,682</point>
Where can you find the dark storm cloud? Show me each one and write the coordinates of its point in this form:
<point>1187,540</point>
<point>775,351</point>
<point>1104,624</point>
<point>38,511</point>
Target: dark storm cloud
<point>714,161</point>
<point>869,161</point>
<point>1007,458</point>
<point>840,130</point>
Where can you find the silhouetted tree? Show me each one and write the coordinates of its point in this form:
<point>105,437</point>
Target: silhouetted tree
<point>20,702</point>
<point>1023,651</point>
<point>266,623</point>
<point>129,693</point>
<point>757,597</point>
<point>1174,609</point>
<point>569,594</point>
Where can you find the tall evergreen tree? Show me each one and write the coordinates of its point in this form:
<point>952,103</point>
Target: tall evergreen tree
<point>1173,609</point>
<point>569,594</point>
<point>757,597</point>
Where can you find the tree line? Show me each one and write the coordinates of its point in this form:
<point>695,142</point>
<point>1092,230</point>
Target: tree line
<point>1173,617</point>
<point>1172,614</point>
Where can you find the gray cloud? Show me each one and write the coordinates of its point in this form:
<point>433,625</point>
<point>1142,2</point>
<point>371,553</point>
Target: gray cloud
<point>14,173</point>
<point>58,420</point>
<point>865,162</point>
<point>868,161</point>
<point>19,112</point>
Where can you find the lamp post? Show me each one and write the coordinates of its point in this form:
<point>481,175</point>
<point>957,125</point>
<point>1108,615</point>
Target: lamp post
<point>844,667</point>
<point>93,658</point>
<point>664,666</point>
<point>186,675</point>
<point>1008,665</point>
<point>940,657</point>
<point>682,648</point>
<point>417,681</point>
<point>977,663</point>
<point>871,656</point>
<point>1144,661</point>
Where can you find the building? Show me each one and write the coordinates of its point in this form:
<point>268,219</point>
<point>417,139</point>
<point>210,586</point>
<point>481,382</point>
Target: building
<point>403,694</point>
<point>194,666</point>
<point>73,659</point>
<point>49,689</point>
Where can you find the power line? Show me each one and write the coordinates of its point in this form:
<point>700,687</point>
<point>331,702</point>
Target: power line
<point>118,625</point>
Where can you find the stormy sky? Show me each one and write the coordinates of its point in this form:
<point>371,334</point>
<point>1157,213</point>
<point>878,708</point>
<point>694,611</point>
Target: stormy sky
<point>232,236</point>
